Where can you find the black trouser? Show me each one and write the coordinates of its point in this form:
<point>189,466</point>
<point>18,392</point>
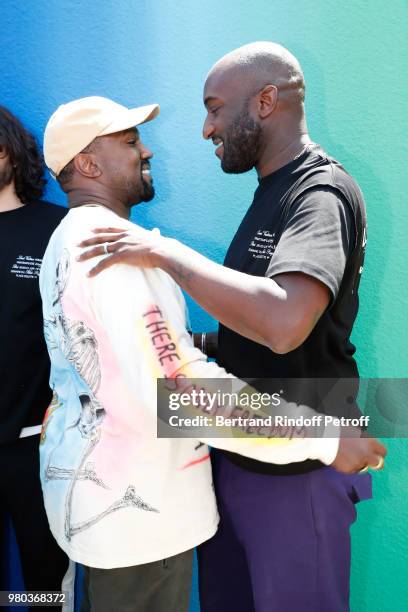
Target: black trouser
<point>43,562</point>
<point>161,586</point>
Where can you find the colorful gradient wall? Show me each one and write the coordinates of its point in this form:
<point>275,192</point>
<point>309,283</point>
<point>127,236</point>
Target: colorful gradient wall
<point>354,55</point>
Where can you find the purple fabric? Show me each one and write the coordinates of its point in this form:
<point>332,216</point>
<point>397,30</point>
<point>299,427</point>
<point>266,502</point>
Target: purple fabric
<point>283,542</point>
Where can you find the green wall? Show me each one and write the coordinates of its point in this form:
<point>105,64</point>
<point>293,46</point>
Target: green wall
<point>354,54</point>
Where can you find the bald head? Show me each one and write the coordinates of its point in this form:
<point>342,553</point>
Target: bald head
<point>254,97</point>
<point>262,63</point>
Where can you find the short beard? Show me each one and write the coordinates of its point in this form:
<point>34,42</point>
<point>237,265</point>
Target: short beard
<point>6,176</point>
<point>241,143</point>
<point>148,191</point>
<point>138,192</point>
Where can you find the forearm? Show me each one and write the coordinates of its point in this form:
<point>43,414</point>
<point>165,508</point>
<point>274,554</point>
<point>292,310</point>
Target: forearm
<point>277,312</point>
<point>254,307</point>
<point>237,422</point>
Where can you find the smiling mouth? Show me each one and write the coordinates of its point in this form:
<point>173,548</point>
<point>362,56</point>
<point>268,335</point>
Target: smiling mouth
<point>146,172</point>
<point>220,148</point>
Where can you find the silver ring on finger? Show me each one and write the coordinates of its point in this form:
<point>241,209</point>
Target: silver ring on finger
<point>105,248</point>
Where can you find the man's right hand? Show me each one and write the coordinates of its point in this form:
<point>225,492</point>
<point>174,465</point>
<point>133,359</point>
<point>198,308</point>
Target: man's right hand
<point>355,454</point>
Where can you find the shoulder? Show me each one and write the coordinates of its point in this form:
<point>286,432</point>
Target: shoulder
<point>46,209</point>
<point>323,171</point>
<point>323,182</point>
<point>52,209</point>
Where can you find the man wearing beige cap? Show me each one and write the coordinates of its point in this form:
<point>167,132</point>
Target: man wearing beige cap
<point>129,506</point>
<point>125,505</point>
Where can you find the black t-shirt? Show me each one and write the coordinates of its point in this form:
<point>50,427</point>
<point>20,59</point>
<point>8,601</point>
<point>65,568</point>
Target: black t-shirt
<point>24,365</point>
<point>308,217</point>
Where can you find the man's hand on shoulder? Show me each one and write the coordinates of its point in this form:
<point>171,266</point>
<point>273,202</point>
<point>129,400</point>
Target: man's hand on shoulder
<point>136,246</point>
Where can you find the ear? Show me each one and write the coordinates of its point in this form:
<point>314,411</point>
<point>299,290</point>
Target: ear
<point>3,152</point>
<point>87,165</point>
<point>267,100</point>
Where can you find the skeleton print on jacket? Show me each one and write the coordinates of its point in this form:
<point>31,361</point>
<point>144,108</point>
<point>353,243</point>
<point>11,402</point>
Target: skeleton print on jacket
<point>116,495</point>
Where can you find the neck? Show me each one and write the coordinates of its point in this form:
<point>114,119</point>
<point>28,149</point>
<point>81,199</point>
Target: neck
<point>80,197</point>
<point>282,147</point>
<point>9,199</point>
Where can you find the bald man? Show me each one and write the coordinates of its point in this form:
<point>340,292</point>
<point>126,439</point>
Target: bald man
<point>286,299</point>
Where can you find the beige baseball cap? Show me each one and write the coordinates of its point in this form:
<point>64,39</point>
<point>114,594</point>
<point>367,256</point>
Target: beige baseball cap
<point>75,125</point>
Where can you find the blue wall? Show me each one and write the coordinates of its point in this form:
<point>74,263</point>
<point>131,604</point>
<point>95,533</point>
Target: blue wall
<point>354,55</point>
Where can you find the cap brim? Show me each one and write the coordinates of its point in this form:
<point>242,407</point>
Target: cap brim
<point>131,117</point>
